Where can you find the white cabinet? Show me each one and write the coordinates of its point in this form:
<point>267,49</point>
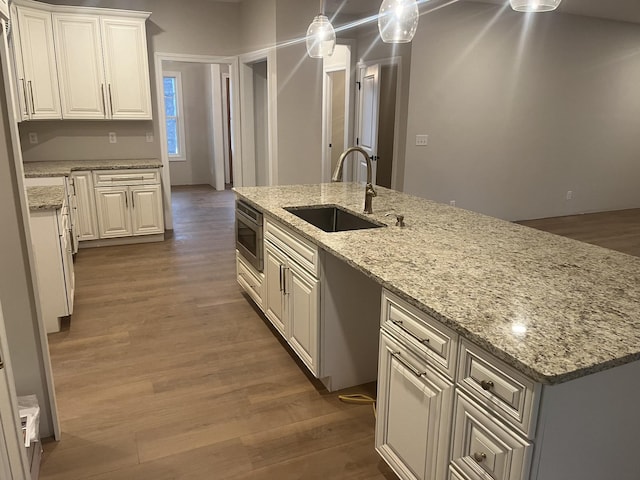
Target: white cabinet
<point>126,68</point>
<point>128,202</point>
<point>53,251</point>
<point>80,66</point>
<point>38,91</point>
<point>129,210</point>
<point>103,67</point>
<point>414,413</point>
<point>292,292</point>
<point>86,227</point>
<point>250,279</point>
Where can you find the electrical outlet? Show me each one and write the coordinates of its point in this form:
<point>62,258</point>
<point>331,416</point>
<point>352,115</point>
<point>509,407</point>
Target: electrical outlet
<point>570,195</point>
<point>33,138</point>
<point>112,137</point>
<point>149,137</point>
<point>422,140</point>
<point>452,203</point>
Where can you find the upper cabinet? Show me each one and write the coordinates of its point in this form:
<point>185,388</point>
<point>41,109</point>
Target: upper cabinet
<point>96,62</point>
<point>36,66</point>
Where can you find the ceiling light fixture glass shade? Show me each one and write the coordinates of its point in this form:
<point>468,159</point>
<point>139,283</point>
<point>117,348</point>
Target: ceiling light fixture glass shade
<point>398,20</point>
<point>534,5</point>
<point>321,37</point>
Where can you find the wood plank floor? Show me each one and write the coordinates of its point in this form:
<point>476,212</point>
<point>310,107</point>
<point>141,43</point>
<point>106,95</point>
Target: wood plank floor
<point>166,371</point>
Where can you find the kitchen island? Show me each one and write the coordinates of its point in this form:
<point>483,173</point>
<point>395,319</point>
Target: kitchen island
<point>540,308</point>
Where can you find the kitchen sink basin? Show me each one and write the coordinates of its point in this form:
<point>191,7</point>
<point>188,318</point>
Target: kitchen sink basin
<point>332,219</point>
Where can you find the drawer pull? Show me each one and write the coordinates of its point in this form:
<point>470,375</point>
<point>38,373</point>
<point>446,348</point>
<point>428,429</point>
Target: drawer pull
<point>479,457</point>
<point>411,368</point>
<point>399,324</point>
<point>486,385</point>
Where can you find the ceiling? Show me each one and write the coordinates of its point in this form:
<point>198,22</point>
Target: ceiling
<point>623,10</point>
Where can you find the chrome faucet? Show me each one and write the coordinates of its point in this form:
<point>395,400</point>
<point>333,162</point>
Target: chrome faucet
<point>369,192</point>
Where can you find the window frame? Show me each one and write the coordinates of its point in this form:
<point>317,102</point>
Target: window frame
<point>181,156</point>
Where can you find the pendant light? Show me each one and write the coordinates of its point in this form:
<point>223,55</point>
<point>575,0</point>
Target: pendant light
<point>321,37</point>
<point>534,5</point>
<point>398,20</point>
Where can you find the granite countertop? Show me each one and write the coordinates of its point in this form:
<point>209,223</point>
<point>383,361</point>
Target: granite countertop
<point>45,198</point>
<point>554,308</point>
<point>63,168</point>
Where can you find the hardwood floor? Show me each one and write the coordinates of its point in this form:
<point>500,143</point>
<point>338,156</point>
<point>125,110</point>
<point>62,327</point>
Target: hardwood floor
<point>617,230</point>
<point>166,371</point>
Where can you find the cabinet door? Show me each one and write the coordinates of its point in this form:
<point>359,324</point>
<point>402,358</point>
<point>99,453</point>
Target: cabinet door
<point>40,82</point>
<point>275,307</point>
<point>66,250</point>
<point>146,209</point>
<point>127,68</point>
<point>87,225</point>
<point>483,447</point>
<point>80,66</point>
<point>415,405</point>
<point>302,294</point>
<point>114,219</point>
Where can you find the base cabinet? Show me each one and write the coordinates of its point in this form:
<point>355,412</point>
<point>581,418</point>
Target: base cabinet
<point>414,413</point>
<point>87,221</point>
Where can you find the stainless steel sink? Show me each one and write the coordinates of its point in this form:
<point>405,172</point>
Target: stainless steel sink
<point>331,218</point>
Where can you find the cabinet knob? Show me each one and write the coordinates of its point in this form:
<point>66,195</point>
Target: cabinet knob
<point>479,457</point>
<point>486,385</point>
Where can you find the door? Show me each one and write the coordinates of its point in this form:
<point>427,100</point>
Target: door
<point>40,82</point>
<point>368,108</point>
<point>275,307</point>
<point>80,66</point>
<point>415,405</point>
<point>126,68</point>
<point>87,225</point>
<point>13,459</point>
<point>302,293</point>
<point>114,219</point>
<point>146,209</point>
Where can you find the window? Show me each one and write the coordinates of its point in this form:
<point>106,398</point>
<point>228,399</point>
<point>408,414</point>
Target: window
<point>174,115</point>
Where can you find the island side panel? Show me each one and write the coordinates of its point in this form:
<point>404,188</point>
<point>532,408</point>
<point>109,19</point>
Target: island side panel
<point>350,325</point>
<point>589,428</point>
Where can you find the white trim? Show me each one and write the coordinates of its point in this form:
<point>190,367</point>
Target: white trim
<point>113,12</point>
<point>395,60</point>
<point>225,127</point>
<point>182,137</point>
<point>217,134</point>
<point>160,57</point>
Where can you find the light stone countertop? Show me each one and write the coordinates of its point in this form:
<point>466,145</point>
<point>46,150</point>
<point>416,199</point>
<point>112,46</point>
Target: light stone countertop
<point>63,168</point>
<point>554,308</point>
<point>45,198</point>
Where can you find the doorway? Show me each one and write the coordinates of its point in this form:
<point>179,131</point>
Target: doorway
<point>377,119</point>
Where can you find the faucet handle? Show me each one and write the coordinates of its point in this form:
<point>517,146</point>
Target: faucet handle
<point>399,219</point>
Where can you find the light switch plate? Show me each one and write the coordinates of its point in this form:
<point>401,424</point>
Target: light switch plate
<point>112,137</point>
<point>33,138</point>
<point>149,137</point>
<point>422,140</point>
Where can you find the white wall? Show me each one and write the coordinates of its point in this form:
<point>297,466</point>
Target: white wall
<point>521,109</point>
<point>195,170</point>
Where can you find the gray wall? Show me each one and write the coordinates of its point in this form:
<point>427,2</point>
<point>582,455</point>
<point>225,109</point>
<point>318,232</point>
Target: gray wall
<point>299,97</point>
<point>196,169</point>
<point>16,288</point>
<point>201,28</point>
<point>258,24</point>
<point>521,109</point>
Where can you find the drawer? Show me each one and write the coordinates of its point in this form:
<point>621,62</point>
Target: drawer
<point>499,387</point>
<point>249,279</point>
<point>106,178</point>
<point>423,332</point>
<point>483,447</point>
<point>303,251</point>
<point>456,475</point>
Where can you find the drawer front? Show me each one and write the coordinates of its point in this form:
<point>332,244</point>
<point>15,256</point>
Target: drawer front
<point>500,388</point>
<point>456,475</point>
<point>304,252</point>
<point>428,335</point>
<point>484,446</point>
<point>250,280</point>
<point>105,178</point>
